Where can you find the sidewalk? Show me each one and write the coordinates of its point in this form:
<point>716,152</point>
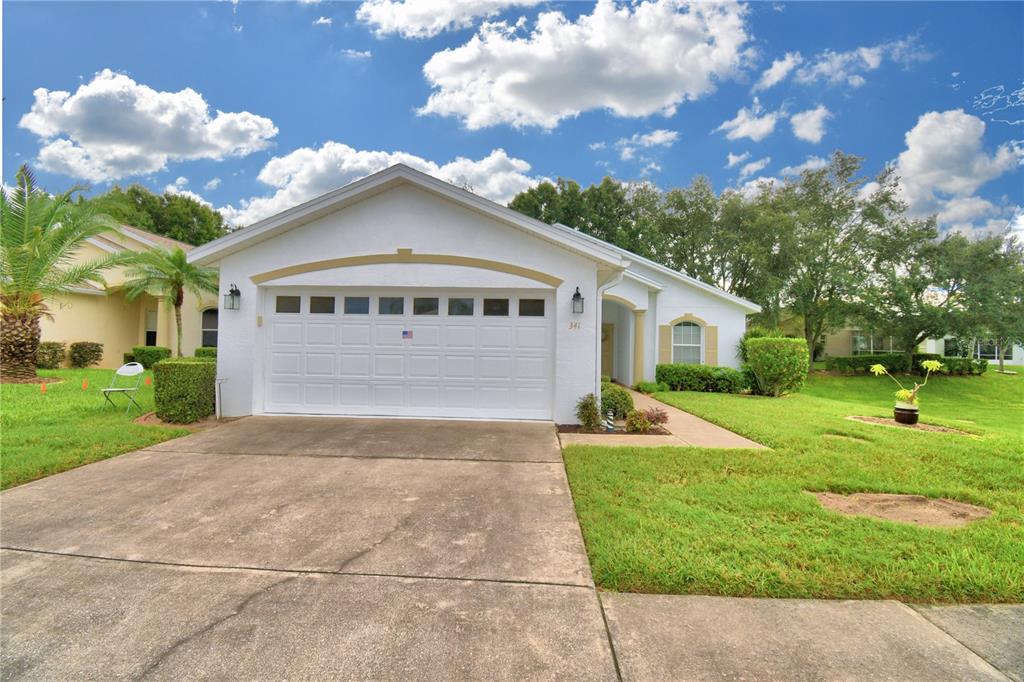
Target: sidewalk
<point>686,430</point>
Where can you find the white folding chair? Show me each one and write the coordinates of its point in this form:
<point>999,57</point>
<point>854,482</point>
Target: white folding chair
<point>124,387</point>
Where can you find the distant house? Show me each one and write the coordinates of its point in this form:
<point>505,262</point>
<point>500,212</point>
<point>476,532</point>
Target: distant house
<point>105,316</point>
<point>854,341</point>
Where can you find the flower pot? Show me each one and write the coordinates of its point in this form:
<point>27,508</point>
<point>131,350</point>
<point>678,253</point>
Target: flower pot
<point>905,413</point>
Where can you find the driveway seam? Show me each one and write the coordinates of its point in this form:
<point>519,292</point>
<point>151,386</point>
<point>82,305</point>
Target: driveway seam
<point>955,639</point>
<point>608,633</point>
<point>300,571</point>
<point>402,457</point>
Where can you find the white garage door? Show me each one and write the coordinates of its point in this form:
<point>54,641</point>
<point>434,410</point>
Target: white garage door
<point>409,352</point>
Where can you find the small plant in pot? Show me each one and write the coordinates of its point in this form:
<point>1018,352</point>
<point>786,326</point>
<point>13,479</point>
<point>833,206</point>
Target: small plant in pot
<point>906,410</point>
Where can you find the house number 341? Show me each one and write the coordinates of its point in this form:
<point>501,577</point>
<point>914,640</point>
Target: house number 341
<point>575,324</point>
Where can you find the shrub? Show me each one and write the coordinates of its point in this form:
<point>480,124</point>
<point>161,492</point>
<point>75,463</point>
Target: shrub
<point>183,389</point>
<point>206,353</point>
<point>651,387</point>
<point>951,365</point>
<point>148,356</point>
<point>656,415</point>
<point>756,332</point>
<point>637,422</point>
<point>616,400</point>
<point>129,357</point>
<point>853,364</point>
<point>779,365</point>
<point>679,377</point>
<point>85,353</point>
<point>605,379</point>
<point>588,413</point>
<point>50,355</point>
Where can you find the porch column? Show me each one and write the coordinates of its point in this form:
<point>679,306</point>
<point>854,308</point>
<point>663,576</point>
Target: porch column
<point>164,324</point>
<point>638,345</point>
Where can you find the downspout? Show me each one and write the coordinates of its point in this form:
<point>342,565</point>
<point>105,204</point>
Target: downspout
<point>600,301</point>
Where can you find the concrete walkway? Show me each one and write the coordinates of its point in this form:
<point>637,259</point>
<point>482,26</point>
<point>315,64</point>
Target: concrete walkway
<point>685,430</point>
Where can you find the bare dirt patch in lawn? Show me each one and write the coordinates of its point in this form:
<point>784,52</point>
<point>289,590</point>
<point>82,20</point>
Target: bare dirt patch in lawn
<point>150,419</point>
<point>915,509</point>
<point>34,380</point>
<point>843,436</point>
<point>885,421</point>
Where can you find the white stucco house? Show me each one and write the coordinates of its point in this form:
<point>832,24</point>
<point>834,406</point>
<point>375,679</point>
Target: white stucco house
<point>403,295</point>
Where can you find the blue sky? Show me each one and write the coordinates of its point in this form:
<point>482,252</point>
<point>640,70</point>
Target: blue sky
<point>257,106</point>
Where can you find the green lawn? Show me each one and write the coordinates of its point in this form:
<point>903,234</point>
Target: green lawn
<point>738,522</point>
<point>66,427</point>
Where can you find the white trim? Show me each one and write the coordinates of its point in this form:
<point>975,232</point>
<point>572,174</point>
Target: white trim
<point>385,179</point>
<point>87,291</point>
<point>131,234</point>
<point>649,283</point>
<point>104,247</point>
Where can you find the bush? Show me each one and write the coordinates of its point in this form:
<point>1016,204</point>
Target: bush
<point>616,400</point>
<point>50,355</point>
<point>129,357</point>
<point>605,379</point>
<point>853,364</point>
<point>951,365</point>
<point>679,377</point>
<point>85,353</point>
<point>637,422</point>
<point>649,387</point>
<point>656,415</point>
<point>756,332</point>
<point>206,353</point>
<point>588,413</point>
<point>779,365</point>
<point>148,356</point>
<point>183,389</point>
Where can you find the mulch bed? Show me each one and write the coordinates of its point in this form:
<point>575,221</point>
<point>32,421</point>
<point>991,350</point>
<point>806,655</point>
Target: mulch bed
<point>619,430</point>
<point>884,421</point>
<point>150,419</point>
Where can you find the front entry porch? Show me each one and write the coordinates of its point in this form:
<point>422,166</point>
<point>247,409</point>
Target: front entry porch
<point>623,355</point>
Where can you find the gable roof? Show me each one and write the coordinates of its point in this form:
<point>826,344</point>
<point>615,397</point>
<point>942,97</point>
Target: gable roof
<point>395,176</point>
<point>137,240</point>
<point>150,239</point>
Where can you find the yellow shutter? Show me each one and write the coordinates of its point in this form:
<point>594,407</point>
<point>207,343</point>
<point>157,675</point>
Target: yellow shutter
<point>710,345</point>
<point>664,344</point>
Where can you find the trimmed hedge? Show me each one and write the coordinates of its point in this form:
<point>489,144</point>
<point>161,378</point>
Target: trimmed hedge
<point>206,353</point>
<point>616,399</point>
<point>853,364</point>
<point>128,357</point>
<point>649,387</point>
<point>50,355</point>
<point>184,389</point>
<point>756,332</point>
<point>951,365</point>
<point>779,365</point>
<point>680,377</point>
<point>148,356</point>
<point>85,353</point>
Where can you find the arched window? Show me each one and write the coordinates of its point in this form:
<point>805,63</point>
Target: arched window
<point>688,343</point>
<point>210,328</point>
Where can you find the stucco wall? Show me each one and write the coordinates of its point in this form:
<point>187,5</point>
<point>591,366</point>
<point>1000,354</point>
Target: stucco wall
<point>405,218</point>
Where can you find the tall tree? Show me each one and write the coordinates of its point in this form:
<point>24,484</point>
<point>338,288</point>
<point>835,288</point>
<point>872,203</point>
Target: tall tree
<point>172,215</point>
<point>994,295</point>
<point>167,273</point>
<point>39,236</point>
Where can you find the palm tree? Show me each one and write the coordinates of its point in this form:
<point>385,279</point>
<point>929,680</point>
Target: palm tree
<point>39,235</point>
<point>167,273</point>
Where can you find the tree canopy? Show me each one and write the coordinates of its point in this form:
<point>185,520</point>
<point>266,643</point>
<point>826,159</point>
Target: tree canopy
<point>177,216</point>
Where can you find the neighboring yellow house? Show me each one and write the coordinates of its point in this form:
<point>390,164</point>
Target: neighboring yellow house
<point>104,316</point>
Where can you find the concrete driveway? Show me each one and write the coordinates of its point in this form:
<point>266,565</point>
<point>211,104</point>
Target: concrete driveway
<point>305,548</point>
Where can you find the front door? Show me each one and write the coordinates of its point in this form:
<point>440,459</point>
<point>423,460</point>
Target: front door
<point>607,348</point>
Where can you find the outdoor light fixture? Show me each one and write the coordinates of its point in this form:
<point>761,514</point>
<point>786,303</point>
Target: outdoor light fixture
<point>232,298</point>
<point>577,302</point>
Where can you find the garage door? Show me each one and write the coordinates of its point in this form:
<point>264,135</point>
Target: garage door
<point>409,352</point>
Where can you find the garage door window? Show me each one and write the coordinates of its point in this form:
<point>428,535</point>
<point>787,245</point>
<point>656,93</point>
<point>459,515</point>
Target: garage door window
<point>390,305</point>
<point>357,305</point>
<point>424,306</point>
<point>321,305</point>
<point>496,307</point>
<point>531,307</point>
<point>460,306</point>
<point>288,304</point>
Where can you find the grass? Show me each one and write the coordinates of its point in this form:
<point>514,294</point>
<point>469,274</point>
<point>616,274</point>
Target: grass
<point>65,427</point>
<point>738,522</point>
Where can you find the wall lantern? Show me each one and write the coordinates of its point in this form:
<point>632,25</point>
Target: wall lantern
<point>577,302</point>
<point>232,299</point>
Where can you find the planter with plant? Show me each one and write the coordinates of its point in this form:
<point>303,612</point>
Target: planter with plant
<point>906,409</point>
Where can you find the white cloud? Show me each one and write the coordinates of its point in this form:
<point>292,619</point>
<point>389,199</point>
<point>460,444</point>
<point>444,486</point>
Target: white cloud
<point>810,125</point>
<point>627,146</point>
<point>427,18</point>
<point>594,146</point>
<point>323,21</point>
<point>836,68</point>
<point>212,184</point>
<point>812,163</point>
<point>356,54</point>
<point>180,183</point>
<point>734,159</point>
<point>778,71</point>
<point>754,123</point>
<point>945,163</point>
<point>632,60</point>
<point>178,187</point>
<point>113,127</point>
<point>1001,105</point>
<point>754,167</point>
<point>307,173</point>
<point>752,188</point>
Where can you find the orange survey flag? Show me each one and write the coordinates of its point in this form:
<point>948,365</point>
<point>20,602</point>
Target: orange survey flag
<point>85,384</point>
<point>149,380</point>
<point>42,387</point>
